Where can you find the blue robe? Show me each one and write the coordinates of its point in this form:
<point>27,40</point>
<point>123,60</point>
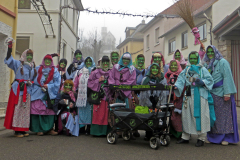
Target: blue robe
<point>73,71</point>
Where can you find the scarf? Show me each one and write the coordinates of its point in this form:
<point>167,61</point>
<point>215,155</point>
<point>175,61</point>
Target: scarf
<point>23,58</point>
<point>169,74</point>
<point>82,88</point>
<point>217,56</point>
<point>148,77</point>
<point>182,60</point>
<point>120,65</point>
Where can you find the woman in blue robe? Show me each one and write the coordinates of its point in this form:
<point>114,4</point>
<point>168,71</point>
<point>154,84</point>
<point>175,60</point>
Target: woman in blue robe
<point>197,110</point>
<point>225,129</point>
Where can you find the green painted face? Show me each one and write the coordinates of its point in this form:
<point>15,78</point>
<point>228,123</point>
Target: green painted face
<point>126,61</point>
<point>62,65</point>
<point>210,53</point>
<point>114,58</point>
<point>29,57</point>
<point>193,59</point>
<point>105,65</point>
<point>67,87</point>
<point>154,70</point>
<point>178,56</point>
<point>78,56</point>
<point>47,62</point>
<point>89,62</point>
<point>174,66</point>
<point>157,60</point>
<point>140,61</point>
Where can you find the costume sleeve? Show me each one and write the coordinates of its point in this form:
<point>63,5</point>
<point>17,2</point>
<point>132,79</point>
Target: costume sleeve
<point>180,83</point>
<point>53,88</point>
<point>111,78</point>
<point>207,78</point>
<point>93,81</point>
<point>12,63</point>
<point>228,82</point>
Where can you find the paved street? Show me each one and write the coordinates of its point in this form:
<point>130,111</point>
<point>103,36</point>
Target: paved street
<point>88,147</point>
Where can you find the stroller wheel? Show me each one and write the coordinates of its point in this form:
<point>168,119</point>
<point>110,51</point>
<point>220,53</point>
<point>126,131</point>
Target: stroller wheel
<point>165,140</point>
<point>112,138</point>
<point>154,142</point>
<point>126,135</point>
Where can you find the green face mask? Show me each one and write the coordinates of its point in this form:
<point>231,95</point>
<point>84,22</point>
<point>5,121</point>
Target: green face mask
<point>210,53</point>
<point>29,57</point>
<point>140,61</point>
<point>62,65</point>
<point>126,61</point>
<point>105,65</point>
<point>78,56</point>
<point>193,59</point>
<point>68,87</point>
<point>88,63</point>
<point>47,62</point>
<point>174,66</point>
<point>157,60</point>
<point>154,70</point>
<point>115,58</point>
<point>178,56</point>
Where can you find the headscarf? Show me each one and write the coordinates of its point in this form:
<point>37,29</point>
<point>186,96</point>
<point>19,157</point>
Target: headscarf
<point>217,56</point>
<point>58,66</point>
<point>23,57</point>
<point>182,60</point>
<point>169,74</point>
<point>83,82</point>
<point>74,58</point>
<point>50,75</point>
<point>162,63</point>
<point>120,62</point>
<point>136,62</point>
<point>149,76</point>
<point>194,68</point>
<point>71,93</point>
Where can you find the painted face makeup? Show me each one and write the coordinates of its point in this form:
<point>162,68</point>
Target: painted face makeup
<point>47,62</point>
<point>126,61</point>
<point>105,65</point>
<point>88,62</point>
<point>67,87</point>
<point>114,58</point>
<point>193,59</point>
<point>140,61</point>
<point>173,66</point>
<point>157,60</point>
<point>210,53</point>
<point>29,57</point>
<point>62,65</point>
<point>154,70</point>
<point>177,56</point>
<point>78,56</point>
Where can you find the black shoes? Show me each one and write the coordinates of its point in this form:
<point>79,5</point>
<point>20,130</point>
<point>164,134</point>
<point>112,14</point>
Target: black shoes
<point>199,143</point>
<point>182,141</point>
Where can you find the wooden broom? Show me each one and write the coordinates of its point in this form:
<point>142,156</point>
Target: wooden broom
<point>184,9</point>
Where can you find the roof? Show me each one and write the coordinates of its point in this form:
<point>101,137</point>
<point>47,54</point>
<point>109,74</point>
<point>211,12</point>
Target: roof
<point>226,21</point>
<point>78,5</point>
<point>199,6</point>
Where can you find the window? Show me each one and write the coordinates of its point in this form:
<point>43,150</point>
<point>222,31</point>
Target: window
<point>203,31</point>
<point>24,4</point>
<point>64,50</point>
<point>147,42</point>
<point>184,39</point>
<point>157,35</point>
<point>22,43</point>
<point>65,10</point>
<point>172,45</point>
<point>126,48</point>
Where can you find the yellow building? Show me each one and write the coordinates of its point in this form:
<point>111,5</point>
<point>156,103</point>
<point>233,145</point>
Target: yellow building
<point>8,28</point>
<point>133,43</point>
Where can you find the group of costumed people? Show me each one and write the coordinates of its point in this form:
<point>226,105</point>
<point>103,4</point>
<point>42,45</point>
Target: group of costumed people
<point>49,99</point>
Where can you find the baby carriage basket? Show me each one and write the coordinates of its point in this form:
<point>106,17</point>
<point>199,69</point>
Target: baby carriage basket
<point>126,121</point>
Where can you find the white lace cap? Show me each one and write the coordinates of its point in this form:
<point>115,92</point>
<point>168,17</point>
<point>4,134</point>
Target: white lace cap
<point>128,56</point>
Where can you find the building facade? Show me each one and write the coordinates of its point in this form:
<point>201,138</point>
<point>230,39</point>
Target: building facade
<point>8,28</point>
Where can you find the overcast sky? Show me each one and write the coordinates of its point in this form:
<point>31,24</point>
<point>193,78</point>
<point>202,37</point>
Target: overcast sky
<point>116,24</point>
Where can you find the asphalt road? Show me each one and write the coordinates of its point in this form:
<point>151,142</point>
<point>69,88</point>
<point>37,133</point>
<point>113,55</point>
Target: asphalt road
<point>91,148</point>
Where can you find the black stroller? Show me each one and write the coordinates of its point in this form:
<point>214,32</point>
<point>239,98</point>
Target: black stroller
<point>126,121</point>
